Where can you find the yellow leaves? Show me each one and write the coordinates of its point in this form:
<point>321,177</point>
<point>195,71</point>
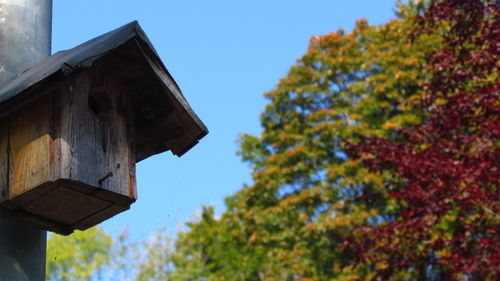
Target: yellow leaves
<point>381,265</point>
<point>253,238</point>
<point>290,200</point>
<point>401,121</point>
<point>248,215</point>
<point>346,220</point>
<point>390,125</point>
<point>479,111</point>
<point>445,252</point>
<point>312,227</point>
<point>347,86</point>
<point>355,116</point>
<point>309,279</point>
<point>322,114</point>
<point>269,172</point>
<point>331,38</point>
<point>272,159</point>
<point>361,23</point>
<point>367,155</point>
<point>471,218</point>
<point>440,101</point>
<point>351,163</point>
<point>352,277</point>
<point>296,150</point>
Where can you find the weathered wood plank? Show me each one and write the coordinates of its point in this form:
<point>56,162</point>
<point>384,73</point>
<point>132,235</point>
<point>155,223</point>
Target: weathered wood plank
<point>120,150</point>
<point>66,206</point>
<point>193,128</point>
<point>97,129</point>
<point>29,147</point>
<point>62,106</point>
<point>83,135</point>
<point>101,216</point>
<point>70,155</point>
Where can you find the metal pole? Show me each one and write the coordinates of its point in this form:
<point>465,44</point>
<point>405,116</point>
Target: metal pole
<point>25,35</point>
<point>25,39</point>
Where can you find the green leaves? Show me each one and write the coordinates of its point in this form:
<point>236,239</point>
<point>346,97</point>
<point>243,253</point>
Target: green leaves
<point>79,257</point>
<point>311,208</point>
<point>93,255</point>
<point>305,197</point>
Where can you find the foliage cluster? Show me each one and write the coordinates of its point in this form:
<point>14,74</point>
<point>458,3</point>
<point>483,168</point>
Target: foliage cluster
<point>307,195</point>
<point>449,165</point>
<point>378,159</point>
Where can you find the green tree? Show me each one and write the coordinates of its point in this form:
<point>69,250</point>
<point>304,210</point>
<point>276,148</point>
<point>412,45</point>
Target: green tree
<point>307,195</point>
<point>93,255</point>
<point>154,260</point>
<point>79,257</point>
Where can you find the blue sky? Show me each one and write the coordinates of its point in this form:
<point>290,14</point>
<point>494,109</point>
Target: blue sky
<point>224,54</point>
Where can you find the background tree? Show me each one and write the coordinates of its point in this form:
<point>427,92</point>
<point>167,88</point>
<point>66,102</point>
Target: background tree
<point>93,255</point>
<point>307,195</point>
<point>154,260</point>
<point>449,165</point>
<point>79,257</point>
<point>422,92</point>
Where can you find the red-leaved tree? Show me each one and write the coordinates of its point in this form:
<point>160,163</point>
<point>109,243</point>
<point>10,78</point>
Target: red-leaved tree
<point>448,225</point>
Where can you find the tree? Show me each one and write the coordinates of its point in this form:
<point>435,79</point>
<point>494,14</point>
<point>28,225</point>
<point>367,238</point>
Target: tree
<point>155,259</point>
<point>93,255</point>
<point>307,195</point>
<point>79,257</point>
<point>448,226</point>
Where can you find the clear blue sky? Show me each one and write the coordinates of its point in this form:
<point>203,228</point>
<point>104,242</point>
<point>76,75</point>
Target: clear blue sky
<point>224,54</point>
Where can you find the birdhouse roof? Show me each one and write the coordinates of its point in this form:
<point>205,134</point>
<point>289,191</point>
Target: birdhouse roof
<point>155,93</point>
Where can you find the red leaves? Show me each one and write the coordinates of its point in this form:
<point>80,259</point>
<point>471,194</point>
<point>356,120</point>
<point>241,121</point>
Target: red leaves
<point>451,163</point>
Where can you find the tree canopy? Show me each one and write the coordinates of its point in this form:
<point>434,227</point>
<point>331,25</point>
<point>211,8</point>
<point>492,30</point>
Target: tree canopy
<point>450,164</point>
<point>307,195</point>
<point>378,160</point>
<point>78,258</point>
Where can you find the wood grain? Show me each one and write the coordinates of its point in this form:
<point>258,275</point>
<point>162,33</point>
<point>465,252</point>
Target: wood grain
<point>96,134</point>
<point>29,147</point>
<point>66,206</point>
<point>67,159</point>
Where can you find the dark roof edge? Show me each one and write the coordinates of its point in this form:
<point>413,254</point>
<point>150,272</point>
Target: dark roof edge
<point>84,55</point>
<point>158,68</point>
<point>78,57</point>
<point>64,63</point>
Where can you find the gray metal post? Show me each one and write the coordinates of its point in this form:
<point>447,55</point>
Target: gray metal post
<point>25,39</point>
<point>25,35</point>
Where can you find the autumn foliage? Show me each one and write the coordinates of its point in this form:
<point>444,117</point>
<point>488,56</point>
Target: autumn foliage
<point>449,166</point>
<point>379,159</point>
<point>290,222</point>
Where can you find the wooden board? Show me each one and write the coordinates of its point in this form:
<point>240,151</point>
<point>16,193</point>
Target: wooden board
<point>65,205</point>
<point>29,147</point>
<point>97,128</point>
<point>67,159</point>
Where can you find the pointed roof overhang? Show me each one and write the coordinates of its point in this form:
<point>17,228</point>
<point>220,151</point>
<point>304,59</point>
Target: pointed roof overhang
<point>164,119</point>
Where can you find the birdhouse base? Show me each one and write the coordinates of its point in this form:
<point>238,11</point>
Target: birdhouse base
<point>65,205</point>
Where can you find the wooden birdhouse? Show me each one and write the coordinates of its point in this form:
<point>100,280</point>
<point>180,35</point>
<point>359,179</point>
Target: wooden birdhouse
<point>73,126</point>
